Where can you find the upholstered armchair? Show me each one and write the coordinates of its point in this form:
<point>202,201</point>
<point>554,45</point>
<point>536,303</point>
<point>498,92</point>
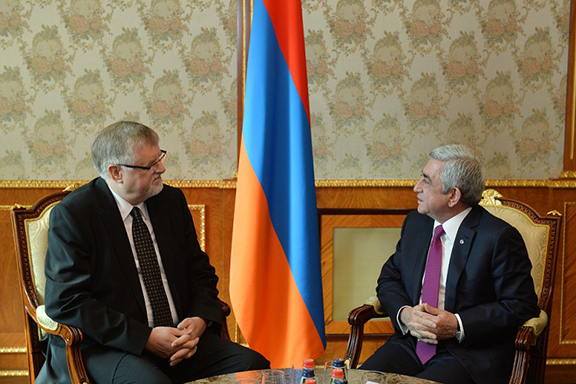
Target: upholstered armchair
<point>31,242</point>
<point>541,235</point>
<point>30,228</point>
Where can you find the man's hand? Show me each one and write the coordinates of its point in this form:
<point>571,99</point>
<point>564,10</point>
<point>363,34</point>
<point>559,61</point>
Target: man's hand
<point>193,326</point>
<point>186,346</point>
<point>445,322</point>
<point>429,324</point>
<point>161,340</point>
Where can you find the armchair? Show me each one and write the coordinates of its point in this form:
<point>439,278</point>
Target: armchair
<point>30,227</point>
<point>541,235</point>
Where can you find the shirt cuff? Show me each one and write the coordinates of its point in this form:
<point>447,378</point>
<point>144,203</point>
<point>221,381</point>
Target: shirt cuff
<point>403,327</point>
<point>461,327</point>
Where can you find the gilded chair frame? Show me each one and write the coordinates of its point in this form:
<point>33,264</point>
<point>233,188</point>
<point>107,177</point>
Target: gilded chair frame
<point>36,320</point>
<point>532,337</point>
<point>72,336</point>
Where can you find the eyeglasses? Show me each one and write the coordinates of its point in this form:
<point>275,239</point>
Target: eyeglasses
<point>153,167</point>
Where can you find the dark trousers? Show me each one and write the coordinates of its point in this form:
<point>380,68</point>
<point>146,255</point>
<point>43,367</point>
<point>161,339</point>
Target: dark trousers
<point>214,356</point>
<point>398,355</point>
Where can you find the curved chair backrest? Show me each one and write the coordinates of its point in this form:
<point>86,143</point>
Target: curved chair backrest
<point>37,236</point>
<point>31,243</point>
<point>541,236</point>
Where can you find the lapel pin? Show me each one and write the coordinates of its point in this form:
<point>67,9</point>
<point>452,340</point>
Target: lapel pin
<point>461,241</point>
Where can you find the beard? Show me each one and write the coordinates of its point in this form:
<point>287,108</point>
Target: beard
<point>154,189</point>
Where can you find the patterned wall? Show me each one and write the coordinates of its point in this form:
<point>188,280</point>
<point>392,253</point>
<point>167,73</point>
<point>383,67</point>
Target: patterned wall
<point>392,79</point>
<point>68,68</point>
<point>389,80</point>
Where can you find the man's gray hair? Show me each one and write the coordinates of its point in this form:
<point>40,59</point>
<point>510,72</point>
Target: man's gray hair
<point>462,170</point>
<point>115,144</point>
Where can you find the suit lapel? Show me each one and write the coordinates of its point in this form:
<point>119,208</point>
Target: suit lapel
<point>460,254</point>
<point>117,231</point>
<point>422,237</point>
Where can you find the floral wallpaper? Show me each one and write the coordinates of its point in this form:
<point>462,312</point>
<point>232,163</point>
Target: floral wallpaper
<point>70,67</point>
<point>392,79</point>
<point>389,80</point>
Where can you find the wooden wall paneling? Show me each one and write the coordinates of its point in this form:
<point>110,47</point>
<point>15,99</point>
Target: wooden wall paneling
<point>537,197</point>
<point>331,219</point>
<point>366,197</point>
<point>562,340</point>
<point>13,358</point>
<point>566,295</point>
<point>376,332</point>
<point>217,200</point>
<point>209,199</point>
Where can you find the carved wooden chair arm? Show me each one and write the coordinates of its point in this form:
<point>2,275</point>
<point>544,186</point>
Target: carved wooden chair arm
<point>357,318</point>
<point>73,337</point>
<point>526,338</point>
<point>225,313</point>
<point>537,324</point>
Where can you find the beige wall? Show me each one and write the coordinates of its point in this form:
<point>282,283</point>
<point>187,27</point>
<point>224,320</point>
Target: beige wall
<point>389,80</point>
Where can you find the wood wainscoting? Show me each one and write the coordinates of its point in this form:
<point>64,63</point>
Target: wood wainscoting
<point>341,204</point>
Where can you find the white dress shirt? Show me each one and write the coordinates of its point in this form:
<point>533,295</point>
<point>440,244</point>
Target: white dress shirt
<point>125,208</point>
<point>451,227</point>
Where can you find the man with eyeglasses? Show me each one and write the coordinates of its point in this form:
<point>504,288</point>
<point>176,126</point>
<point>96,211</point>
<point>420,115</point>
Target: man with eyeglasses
<point>125,266</point>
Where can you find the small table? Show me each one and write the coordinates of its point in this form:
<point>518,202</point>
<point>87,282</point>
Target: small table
<point>293,377</point>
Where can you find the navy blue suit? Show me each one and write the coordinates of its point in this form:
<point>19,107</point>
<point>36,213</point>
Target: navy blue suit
<point>488,285</point>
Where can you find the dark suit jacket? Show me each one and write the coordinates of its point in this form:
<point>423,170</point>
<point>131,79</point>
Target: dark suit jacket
<point>488,285</point>
<point>91,277</point>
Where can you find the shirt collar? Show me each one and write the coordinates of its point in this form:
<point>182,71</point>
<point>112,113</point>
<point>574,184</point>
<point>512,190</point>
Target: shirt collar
<point>125,207</point>
<point>452,225</point>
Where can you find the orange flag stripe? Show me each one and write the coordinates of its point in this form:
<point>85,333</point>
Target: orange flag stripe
<point>280,307</point>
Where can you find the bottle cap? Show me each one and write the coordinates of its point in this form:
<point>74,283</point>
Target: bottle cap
<point>338,373</point>
<point>310,381</point>
<point>338,363</point>
<point>308,363</point>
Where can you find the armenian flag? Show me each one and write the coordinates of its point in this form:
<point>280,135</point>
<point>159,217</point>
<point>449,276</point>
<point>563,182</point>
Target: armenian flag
<point>275,275</point>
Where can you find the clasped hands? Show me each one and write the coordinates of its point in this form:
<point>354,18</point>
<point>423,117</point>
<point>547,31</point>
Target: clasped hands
<point>429,324</point>
<point>177,343</point>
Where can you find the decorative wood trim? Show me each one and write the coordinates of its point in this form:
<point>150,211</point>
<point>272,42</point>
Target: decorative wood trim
<point>570,128</point>
<point>202,209</point>
<point>72,184</point>
<point>12,350</point>
<point>327,225</point>
<point>560,361</point>
<point>366,183</point>
<point>13,373</point>
<point>60,184</point>
<point>568,175</point>
<point>9,207</point>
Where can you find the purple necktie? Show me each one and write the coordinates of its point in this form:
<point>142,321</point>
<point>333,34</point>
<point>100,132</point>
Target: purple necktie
<point>430,288</point>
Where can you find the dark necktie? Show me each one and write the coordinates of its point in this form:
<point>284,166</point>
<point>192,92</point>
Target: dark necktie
<point>431,287</point>
<point>150,271</point>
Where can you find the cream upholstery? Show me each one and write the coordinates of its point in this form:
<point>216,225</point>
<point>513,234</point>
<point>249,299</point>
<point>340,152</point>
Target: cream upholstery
<point>535,236</point>
<point>538,324</point>
<point>30,227</point>
<point>37,236</point>
<point>44,319</point>
<point>375,302</point>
